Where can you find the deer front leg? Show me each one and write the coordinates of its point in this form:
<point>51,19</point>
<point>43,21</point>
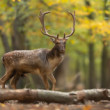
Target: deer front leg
<point>6,77</point>
<point>53,80</point>
<point>45,80</point>
<point>14,80</point>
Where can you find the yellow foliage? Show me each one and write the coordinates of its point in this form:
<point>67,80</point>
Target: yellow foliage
<point>97,27</point>
<point>13,0</point>
<point>90,9</point>
<point>59,9</point>
<point>33,4</point>
<point>2,5</point>
<point>100,12</point>
<point>72,41</point>
<point>107,12</point>
<point>106,38</point>
<point>81,13</point>
<point>58,1</point>
<point>103,28</point>
<point>50,3</point>
<point>64,1</point>
<point>84,8</point>
<point>92,39</point>
<point>73,1</point>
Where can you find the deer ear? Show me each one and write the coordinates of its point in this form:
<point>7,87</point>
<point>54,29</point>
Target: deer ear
<point>53,40</point>
<point>64,37</point>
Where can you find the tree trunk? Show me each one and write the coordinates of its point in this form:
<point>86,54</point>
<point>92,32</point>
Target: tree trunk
<point>5,42</point>
<point>27,95</point>
<point>92,76</point>
<point>85,69</point>
<point>4,39</point>
<point>105,73</point>
<point>18,35</point>
<point>104,67</point>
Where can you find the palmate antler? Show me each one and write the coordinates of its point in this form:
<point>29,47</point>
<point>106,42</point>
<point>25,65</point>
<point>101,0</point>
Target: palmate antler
<point>73,29</point>
<point>45,32</point>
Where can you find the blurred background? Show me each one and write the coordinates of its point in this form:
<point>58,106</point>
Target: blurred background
<point>87,59</point>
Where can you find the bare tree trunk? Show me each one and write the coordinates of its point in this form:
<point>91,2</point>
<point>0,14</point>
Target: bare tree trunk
<point>85,68</point>
<point>5,42</point>
<point>108,75</point>
<point>18,35</point>
<point>92,76</point>
<point>4,39</point>
<point>105,73</point>
<point>104,67</point>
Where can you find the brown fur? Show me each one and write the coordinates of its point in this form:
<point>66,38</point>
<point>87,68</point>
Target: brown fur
<point>39,61</point>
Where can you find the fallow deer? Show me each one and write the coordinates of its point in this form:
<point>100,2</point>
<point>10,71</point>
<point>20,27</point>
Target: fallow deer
<point>39,61</point>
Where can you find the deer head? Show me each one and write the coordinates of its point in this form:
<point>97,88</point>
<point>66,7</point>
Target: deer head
<point>59,42</point>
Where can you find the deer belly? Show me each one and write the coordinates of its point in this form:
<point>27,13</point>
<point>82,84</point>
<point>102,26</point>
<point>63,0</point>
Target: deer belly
<point>37,71</point>
<point>28,67</point>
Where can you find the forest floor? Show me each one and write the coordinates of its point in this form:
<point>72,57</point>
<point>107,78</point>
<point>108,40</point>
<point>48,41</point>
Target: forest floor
<point>54,106</point>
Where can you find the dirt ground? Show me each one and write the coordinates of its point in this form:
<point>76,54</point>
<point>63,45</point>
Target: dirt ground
<point>53,106</point>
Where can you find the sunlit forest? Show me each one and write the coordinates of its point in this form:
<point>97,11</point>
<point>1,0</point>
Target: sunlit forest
<point>87,58</point>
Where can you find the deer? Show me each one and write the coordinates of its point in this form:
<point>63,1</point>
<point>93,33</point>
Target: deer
<point>41,61</point>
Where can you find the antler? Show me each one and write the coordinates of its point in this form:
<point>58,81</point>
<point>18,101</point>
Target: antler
<point>43,30</point>
<point>73,29</point>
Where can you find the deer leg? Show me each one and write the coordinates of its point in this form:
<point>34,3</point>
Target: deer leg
<point>6,77</point>
<point>45,80</point>
<point>53,80</point>
<point>14,80</point>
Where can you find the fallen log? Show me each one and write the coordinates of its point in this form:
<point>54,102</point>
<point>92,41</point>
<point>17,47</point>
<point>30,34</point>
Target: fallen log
<point>31,95</point>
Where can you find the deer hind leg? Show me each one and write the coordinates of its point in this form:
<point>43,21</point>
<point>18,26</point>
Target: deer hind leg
<point>7,76</point>
<point>45,80</point>
<point>53,80</point>
<point>14,80</point>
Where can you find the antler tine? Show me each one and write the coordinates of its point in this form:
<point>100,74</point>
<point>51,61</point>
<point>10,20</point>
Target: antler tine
<point>43,30</point>
<point>73,29</point>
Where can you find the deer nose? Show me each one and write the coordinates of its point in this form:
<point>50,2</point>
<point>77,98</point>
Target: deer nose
<point>62,48</point>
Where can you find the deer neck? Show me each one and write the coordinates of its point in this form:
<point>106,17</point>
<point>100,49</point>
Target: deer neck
<point>54,58</point>
<point>54,53</point>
